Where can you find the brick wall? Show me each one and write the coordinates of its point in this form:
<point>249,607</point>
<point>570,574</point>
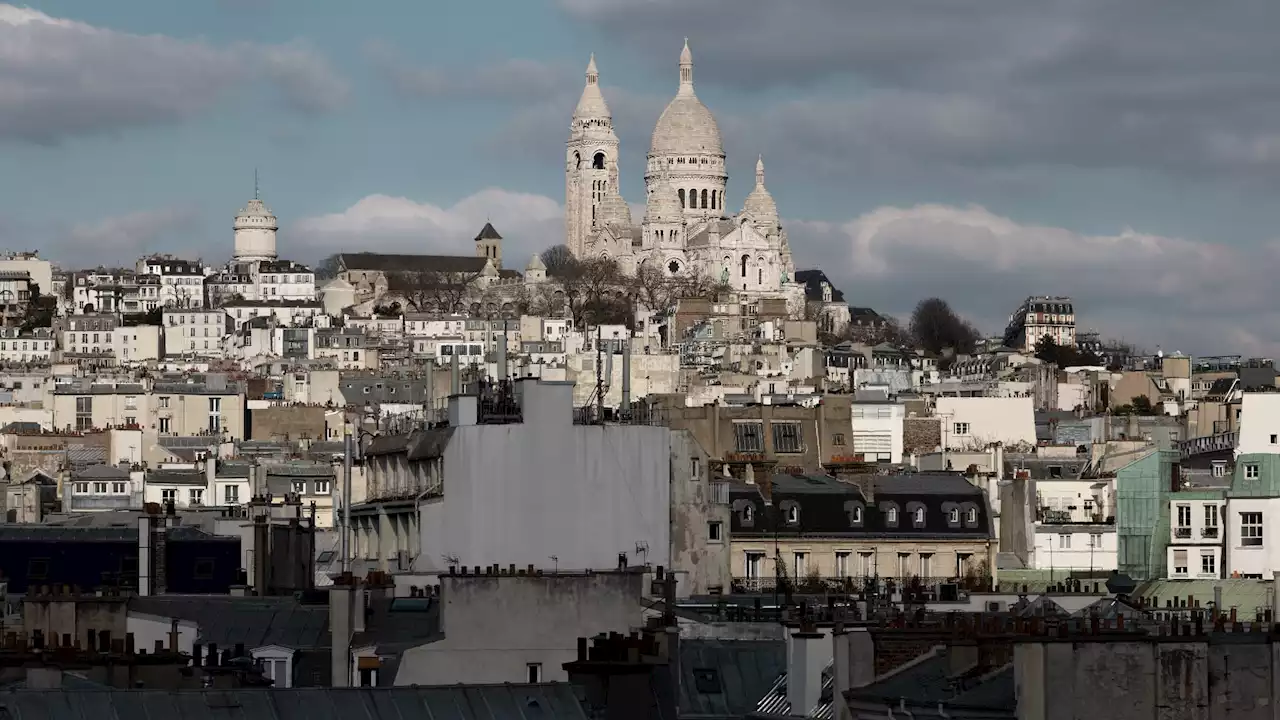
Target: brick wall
<point>921,435</point>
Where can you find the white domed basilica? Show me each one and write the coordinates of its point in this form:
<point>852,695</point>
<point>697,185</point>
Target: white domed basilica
<point>687,229</point>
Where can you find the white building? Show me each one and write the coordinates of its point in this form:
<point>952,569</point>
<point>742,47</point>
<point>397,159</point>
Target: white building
<point>1196,537</point>
<point>19,347</point>
<point>1259,424</point>
<point>39,271</point>
<point>876,431</point>
<point>546,487</point>
<point>194,332</point>
<point>1252,525</point>
<point>972,423</point>
<point>1040,317</point>
<point>1076,547</point>
<point>284,280</point>
<point>687,230</point>
<point>181,281</point>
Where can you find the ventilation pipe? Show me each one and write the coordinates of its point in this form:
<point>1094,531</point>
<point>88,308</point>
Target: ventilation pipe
<point>626,378</point>
<point>502,356</point>
<point>144,556</point>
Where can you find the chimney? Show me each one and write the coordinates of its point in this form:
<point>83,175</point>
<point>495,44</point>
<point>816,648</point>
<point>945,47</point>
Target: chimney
<point>341,602</point>
<point>210,473</point>
<point>807,657</point>
<point>1217,599</point>
<point>464,410</point>
<point>625,406</point>
<point>502,355</point>
<point>144,556</point>
<point>429,391</point>
<point>455,375</point>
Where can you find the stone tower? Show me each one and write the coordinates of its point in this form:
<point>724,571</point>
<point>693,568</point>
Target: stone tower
<point>591,162</point>
<point>489,245</point>
<point>255,232</point>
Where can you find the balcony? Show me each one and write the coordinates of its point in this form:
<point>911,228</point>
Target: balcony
<point>1183,533</point>
<point>1209,532</point>
<point>1208,444</point>
<point>924,588</point>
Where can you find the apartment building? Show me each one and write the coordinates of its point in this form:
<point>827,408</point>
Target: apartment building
<point>1041,316</point>
<point>194,331</point>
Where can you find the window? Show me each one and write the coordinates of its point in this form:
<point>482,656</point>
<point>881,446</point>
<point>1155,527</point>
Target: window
<point>82,488</point>
<point>1208,564</point>
<point>715,532</point>
<point>891,516</point>
<point>926,565</point>
<point>1095,540</point>
<point>971,516</point>
<point>322,487</point>
<point>231,494</point>
<point>195,496</point>
<point>119,488</point>
<point>533,671</point>
<point>953,516</point>
<point>838,439</point>
<point>1064,541</point>
<point>842,563</point>
<point>695,468</point>
<point>1179,562</point>
<point>800,563</point>
<point>748,513</point>
<point>961,428</point>
<point>918,518</point>
<point>300,487</point>
<point>164,402</point>
<point>793,514</point>
<point>215,405</point>
<point>1251,528</point>
<point>164,425</point>
<point>1184,516</point>
<point>754,563</point>
<point>1219,469</point>
<point>1275,439</point>
<point>169,495</point>
<point>749,436</point>
<point>1210,529</point>
<point>855,515</point>
<point>904,561</point>
<point>786,437</point>
<point>1251,472</point>
<point>100,488</point>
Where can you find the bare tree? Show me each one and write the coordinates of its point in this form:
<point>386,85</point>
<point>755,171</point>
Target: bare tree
<point>935,326</point>
<point>559,260</point>
<point>433,290</point>
<point>660,292</point>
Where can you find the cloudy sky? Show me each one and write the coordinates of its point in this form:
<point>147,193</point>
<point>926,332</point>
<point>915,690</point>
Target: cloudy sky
<point>1126,154</point>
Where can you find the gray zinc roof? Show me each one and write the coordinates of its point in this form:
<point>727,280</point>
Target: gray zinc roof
<point>254,621</point>
<point>554,701</point>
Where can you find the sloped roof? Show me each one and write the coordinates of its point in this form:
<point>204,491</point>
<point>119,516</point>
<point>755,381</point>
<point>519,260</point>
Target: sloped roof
<point>727,677</point>
<point>552,701</point>
<point>378,262</point>
<point>488,233</point>
<point>254,621</point>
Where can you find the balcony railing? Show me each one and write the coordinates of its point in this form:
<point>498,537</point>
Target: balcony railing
<point>921,588</point>
<point>1208,443</point>
<point>1182,532</point>
<point>1209,532</point>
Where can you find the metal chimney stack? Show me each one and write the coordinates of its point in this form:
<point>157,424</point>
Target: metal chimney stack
<point>625,408</point>
<point>502,356</point>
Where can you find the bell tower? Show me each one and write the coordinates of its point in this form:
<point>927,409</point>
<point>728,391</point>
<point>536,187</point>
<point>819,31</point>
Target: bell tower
<point>591,162</point>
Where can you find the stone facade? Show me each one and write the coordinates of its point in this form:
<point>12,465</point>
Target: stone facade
<point>686,230</point>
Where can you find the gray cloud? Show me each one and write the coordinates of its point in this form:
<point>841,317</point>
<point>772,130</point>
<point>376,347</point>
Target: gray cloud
<point>113,241</point>
<point>991,83</point>
<point>514,79</point>
<point>1190,295</point>
<point>61,78</point>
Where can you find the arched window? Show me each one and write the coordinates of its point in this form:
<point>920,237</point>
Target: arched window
<point>745,258</point>
<point>680,192</point>
<point>704,199</point>
<point>713,200</point>
<point>597,163</point>
<point>760,276</point>
<point>577,160</point>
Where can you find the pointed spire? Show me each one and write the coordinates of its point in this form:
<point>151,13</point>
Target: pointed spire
<point>686,67</point>
<point>255,184</point>
<point>591,106</point>
<point>760,170</point>
<point>593,75</point>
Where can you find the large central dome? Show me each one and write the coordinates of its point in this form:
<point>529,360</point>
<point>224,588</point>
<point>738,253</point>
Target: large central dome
<point>686,126</point>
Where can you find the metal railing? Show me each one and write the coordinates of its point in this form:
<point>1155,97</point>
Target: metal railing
<point>923,589</point>
<point>1208,443</point>
<point>1209,532</point>
<point>1182,532</point>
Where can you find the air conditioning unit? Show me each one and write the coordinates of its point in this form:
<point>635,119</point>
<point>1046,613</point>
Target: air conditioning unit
<point>996,606</point>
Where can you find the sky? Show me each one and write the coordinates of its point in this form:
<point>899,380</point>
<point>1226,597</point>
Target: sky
<point>1125,154</point>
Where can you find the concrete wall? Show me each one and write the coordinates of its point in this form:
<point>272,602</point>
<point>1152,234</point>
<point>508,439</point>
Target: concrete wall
<point>522,493</point>
<point>1259,424</point>
<point>1008,420</point>
<point>147,629</point>
<point>1082,547</point>
<point>699,561</point>
<point>287,422</point>
<point>1199,678</point>
<point>494,627</point>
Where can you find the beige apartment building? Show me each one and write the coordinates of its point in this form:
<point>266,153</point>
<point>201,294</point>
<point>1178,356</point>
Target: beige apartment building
<point>210,405</point>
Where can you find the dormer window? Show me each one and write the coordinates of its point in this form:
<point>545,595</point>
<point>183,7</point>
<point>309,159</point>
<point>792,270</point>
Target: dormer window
<point>892,516</point>
<point>793,514</point>
<point>954,516</point>
<point>919,516</point>
<point>971,517</point>
<point>856,514</point>
<point>748,513</point>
